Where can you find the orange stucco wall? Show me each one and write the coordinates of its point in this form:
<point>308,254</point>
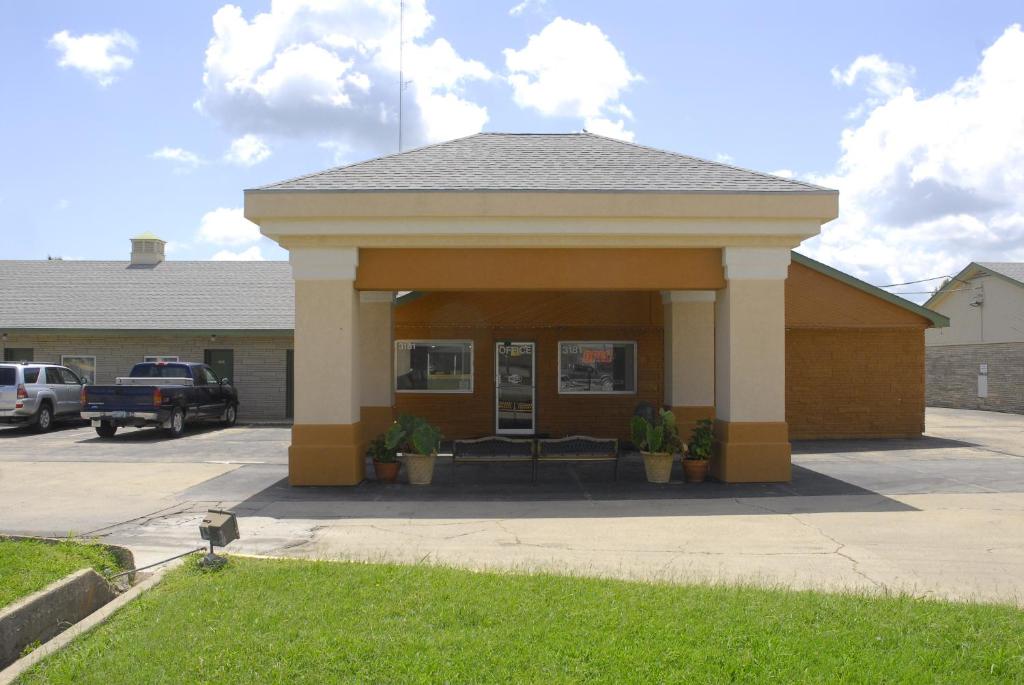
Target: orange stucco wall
<point>854,362</point>
<point>544,318</point>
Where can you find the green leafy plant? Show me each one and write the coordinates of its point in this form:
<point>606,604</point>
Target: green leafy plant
<point>412,434</point>
<point>660,436</point>
<point>379,451</point>
<point>700,440</point>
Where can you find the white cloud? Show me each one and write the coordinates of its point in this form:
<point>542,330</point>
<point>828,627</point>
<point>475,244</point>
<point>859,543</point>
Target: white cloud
<point>252,254</point>
<point>608,127</point>
<point>930,182</point>
<point>340,151</point>
<point>783,173</point>
<point>526,6</point>
<point>884,78</point>
<point>183,159</point>
<point>571,69</point>
<point>330,69</point>
<point>227,226</point>
<point>724,158</point>
<point>98,55</point>
<point>249,150</point>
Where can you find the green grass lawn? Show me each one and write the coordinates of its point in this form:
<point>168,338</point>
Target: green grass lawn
<point>315,622</point>
<point>29,565</point>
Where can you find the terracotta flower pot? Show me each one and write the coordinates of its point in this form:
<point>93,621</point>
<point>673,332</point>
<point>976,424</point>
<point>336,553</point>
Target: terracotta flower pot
<point>658,466</point>
<point>419,468</point>
<point>696,470</point>
<point>386,471</point>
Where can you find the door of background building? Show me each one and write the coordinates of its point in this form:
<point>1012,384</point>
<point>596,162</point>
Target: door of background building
<point>222,362</point>
<point>514,364</point>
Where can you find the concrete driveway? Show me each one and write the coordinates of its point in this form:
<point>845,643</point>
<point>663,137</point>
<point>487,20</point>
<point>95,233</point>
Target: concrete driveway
<point>940,516</point>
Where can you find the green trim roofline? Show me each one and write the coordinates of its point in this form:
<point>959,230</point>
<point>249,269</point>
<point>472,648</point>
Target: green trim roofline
<point>938,320</point>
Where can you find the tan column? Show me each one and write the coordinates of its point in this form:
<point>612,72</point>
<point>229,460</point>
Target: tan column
<point>689,355</point>
<point>752,439</point>
<point>327,443</point>
<point>376,361</point>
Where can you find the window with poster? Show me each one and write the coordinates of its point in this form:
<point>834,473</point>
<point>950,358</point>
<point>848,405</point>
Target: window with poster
<point>596,367</point>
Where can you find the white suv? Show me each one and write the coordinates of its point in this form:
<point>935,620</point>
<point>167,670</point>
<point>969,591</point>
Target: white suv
<point>39,394</point>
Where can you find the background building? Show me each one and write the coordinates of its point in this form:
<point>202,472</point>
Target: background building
<point>978,361</point>
<point>100,318</point>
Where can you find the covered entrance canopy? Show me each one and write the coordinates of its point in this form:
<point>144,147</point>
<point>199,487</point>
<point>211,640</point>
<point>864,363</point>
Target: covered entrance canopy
<point>543,213</point>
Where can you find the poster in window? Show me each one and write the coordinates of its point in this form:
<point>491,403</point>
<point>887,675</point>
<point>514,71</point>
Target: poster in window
<point>597,367</point>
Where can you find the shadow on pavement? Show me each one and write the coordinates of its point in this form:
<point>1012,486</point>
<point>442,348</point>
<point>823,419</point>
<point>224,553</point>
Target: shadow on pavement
<point>925,442</point>
<point>154,434</point>
<point>12,431</point>
<point>563,491</point>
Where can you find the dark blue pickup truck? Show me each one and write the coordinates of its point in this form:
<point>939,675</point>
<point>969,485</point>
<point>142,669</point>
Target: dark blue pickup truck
<point>164,394</point>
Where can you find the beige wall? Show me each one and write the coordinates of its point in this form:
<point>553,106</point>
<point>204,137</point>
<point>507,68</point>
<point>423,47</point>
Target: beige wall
<point>376,356</point>
<point>260,369</point>
<point>689,348</point>
<point>326,352</point>
<point>999,319</point>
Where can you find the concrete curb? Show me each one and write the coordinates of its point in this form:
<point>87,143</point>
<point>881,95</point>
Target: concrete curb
<point>15,670</point>
<point>42,615</point>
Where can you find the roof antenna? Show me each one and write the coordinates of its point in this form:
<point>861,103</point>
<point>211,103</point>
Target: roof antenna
<point>401,64</point>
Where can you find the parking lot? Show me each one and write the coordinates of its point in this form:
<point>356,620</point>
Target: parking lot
<point>940,516</point>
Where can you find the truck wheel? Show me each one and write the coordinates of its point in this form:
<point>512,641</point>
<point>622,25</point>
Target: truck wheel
<point>44,419</point>
<point>106,429</point>
<point>177,423</point>
<point>230,415</point>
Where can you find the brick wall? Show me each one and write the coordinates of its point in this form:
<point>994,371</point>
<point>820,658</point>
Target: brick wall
<point>854,383</point>
<point>259,369</point>
<point>952,376</point>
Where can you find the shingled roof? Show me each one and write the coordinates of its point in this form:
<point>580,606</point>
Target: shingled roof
<point>1011,270</point>
<point>185,295</point>
<point>542,162</point>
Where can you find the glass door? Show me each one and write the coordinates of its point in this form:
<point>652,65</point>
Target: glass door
<point>514,392</point>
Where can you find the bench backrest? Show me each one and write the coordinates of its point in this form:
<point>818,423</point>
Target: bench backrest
<point>493,446</point>
<point>578,446</point>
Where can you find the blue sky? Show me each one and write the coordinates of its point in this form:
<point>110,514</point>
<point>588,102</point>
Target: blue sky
<point>133,131</point>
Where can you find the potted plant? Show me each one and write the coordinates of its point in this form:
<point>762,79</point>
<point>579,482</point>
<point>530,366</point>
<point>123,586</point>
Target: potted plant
<point>657,441</point>
<point>695,463</point>
<point>416,441</point>
<point>385,461</point>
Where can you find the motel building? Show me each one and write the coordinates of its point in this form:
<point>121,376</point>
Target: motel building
<point>545,284</point>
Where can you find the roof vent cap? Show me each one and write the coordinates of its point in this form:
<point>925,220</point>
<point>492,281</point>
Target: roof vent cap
<point>147,250</point>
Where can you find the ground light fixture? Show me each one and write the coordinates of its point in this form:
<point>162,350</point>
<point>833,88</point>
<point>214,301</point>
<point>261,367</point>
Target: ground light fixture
<point>220,528</point>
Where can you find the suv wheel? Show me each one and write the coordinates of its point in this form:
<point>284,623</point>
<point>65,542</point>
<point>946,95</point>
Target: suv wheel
<point>177,423</point>
<point>44,419</point>
<point>230,415</point>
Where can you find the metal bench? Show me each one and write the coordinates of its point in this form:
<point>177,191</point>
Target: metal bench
<point>578,448</point>
<point>494,449</point>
